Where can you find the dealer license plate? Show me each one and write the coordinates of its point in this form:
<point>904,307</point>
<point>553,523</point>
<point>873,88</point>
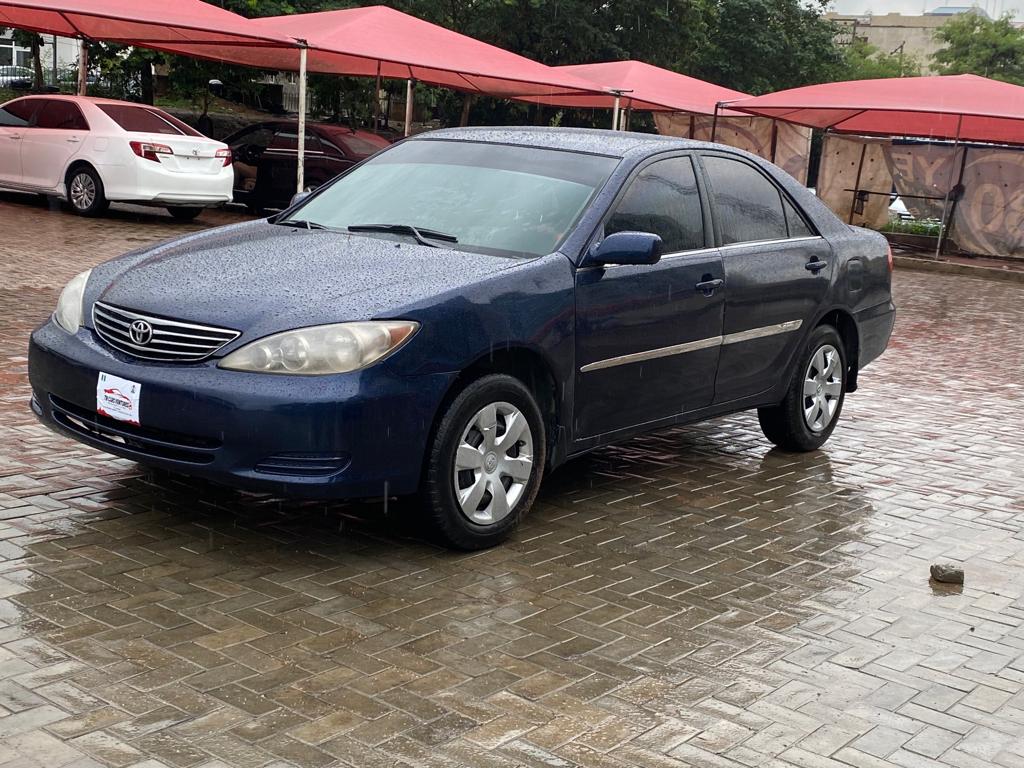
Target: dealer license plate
<point>118,398</point>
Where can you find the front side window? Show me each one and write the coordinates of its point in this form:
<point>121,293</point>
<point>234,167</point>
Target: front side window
<point>499,199</point>
<point>662,199</point>
<point>748,205</point>
<point>61,115</point>
<point>18,113</point>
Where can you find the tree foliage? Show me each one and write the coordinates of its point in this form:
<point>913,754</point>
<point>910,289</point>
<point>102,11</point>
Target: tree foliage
<point>863,61</point>
<point>977,45</point>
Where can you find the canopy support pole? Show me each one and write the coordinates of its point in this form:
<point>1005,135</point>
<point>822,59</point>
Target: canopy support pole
<point>856,184</point>
<point>775,138</point>
<point>615,113</point>
<point>714,121</point>
<point>467,104</point>
<point>300,173</point>
<point>943,225</point>
<point>376,102</point>
<point>83,66</point>
<point>408,106</point>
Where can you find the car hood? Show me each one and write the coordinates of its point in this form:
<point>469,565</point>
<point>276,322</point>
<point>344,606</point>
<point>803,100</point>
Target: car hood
<point>261,278</point>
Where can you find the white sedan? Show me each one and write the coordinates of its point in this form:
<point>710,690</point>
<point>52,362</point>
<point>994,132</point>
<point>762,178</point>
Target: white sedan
<point>94,151</point>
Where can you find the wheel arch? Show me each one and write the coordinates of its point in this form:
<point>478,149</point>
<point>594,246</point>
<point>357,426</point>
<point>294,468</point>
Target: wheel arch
<point>73,166</point>
<point>528,366</point>
<point>846,326</point>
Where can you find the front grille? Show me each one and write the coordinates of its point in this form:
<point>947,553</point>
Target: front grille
<point>170,340</point>
<point>158,443</point>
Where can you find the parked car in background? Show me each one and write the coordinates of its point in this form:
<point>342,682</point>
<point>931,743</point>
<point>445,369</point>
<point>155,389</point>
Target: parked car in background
<point>467,310</point>
<point>266,159</point>
<point>15,77</point>
<point>94,151</point>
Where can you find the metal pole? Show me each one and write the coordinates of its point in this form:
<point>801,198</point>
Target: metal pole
<point>949,188</point>
<point>615,113</point>
<point>714,122</point>
<point>83,66</point>
<point>300,181</point>
<point>55,74</point>
<point>408,106</point>
<point>376,102</point>
<point>856,184</point>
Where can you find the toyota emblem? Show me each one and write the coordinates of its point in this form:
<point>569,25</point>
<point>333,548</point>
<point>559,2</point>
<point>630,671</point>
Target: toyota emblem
<point>141,332</point>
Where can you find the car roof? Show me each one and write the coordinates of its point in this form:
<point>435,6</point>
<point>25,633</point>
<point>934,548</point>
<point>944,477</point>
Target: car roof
<point>589,140</point>
<point>87,99</point>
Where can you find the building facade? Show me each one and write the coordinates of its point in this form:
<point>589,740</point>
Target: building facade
<point>913,36</point>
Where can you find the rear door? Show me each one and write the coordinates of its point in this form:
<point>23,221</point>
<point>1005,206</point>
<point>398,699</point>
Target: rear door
<point>15,118</point>
<point>647,337</point>
<point>275,181</point>
<point>777,268</point>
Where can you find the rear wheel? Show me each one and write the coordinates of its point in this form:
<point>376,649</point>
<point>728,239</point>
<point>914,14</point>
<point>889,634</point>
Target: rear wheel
<point>184,212</point>
<point>485,463</point>
<point>805,419</point>
<point>85,192</point>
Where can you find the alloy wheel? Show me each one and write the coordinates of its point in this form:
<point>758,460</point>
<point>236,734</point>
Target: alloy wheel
<point>83,191</point>
<point>493,463</point>
<point>823,386</point>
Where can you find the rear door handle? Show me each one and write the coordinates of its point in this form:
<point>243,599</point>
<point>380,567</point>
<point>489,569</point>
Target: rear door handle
<point>816,265</point>
<point>707,287</point>
<point>72,141</point>
<point>15,136</point>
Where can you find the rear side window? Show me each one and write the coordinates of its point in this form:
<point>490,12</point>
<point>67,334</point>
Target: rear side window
<point>61,115</point>
<point>142,120</point>
<point>288,139</point>
<point>18,113</point>
<point>662,199</point>
<point>748,205</point>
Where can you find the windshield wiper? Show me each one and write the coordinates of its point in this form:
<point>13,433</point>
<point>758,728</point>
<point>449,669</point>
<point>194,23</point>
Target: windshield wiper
<point>302,223</point>
<point>419,234</point>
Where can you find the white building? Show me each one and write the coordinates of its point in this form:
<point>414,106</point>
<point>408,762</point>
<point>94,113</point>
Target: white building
<point>57,53</point>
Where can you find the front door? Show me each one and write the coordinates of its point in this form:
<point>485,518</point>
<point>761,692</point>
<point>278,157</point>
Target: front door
<point>647,337</point>
<point>57,135</point>
<point>777,269</point>
<point>15,117</point>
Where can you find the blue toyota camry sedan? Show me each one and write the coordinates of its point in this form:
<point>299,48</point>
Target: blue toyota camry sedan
<point>466,310</point>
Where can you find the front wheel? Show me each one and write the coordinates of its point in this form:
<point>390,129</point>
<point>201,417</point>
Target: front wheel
<point>85,192</point>
<point>806,417</point>
<point>485,463</point>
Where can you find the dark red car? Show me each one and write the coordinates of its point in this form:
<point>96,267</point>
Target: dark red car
<point>266,154</point>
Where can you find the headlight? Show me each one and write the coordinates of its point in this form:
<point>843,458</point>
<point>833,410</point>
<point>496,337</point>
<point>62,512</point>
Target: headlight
<point>69,305</point>
<point>321,349</point>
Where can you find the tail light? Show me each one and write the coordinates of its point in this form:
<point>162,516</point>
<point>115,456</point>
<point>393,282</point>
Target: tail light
<point>148,150</point>
<point>888,256</point>
<point>226,154</point>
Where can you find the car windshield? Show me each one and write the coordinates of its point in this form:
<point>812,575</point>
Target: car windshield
<point>505,200</point>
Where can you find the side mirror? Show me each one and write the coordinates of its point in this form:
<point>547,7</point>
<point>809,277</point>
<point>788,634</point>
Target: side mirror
<point>627,248</point>
<point>298,197</point>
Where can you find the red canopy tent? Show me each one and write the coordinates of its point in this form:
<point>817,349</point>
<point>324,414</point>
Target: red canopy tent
<point>642,86</point>
<point>964,107</point>
<point>958,107</point>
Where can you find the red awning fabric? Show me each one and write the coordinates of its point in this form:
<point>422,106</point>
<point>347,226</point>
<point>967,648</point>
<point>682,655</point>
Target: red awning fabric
<point>644,87</point>
<point>358,41</point>
<point>941,107</point>
<point>160,25</point>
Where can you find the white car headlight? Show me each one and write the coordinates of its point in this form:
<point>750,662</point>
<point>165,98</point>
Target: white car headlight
<point>69,305</point>
<point>322,349</point>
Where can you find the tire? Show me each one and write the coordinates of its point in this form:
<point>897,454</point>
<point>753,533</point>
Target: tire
<point>85,191</point>
<point>803,422</point>
<point>481,520</point>
<point>184,213</point>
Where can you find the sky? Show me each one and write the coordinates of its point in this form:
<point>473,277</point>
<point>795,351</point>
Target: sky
<point>916,7</point>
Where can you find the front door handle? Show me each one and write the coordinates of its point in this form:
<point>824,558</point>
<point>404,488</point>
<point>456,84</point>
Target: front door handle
<point>707,287</point>
<point>816,266</point>
<point>15,136</point>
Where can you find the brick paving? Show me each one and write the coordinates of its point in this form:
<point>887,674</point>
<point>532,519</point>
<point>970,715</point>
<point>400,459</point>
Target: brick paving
<point>688,599</point>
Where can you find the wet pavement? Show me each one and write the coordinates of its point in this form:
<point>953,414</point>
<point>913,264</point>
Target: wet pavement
<point>692,598</point>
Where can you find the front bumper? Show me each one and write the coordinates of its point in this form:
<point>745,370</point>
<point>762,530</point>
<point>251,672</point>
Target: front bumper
<point>352,435</point>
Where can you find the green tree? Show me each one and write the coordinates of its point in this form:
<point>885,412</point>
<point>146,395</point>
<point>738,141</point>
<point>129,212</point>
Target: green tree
<point>862,61</point>
<point>980,46</point>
